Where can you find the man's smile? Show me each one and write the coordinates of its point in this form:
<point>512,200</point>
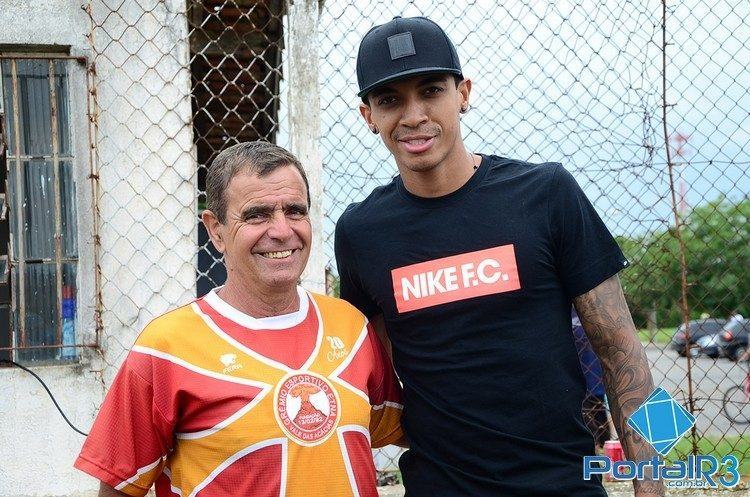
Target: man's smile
<point>417,144</point>
<point>282,254</point>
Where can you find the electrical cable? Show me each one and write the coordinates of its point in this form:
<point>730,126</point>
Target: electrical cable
<point>6,361</point>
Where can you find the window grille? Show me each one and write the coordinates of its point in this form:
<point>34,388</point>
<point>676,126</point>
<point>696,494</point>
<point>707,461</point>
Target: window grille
<point>40,233</point>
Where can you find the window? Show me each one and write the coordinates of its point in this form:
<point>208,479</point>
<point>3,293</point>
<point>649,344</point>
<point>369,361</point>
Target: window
<point>39,235</point>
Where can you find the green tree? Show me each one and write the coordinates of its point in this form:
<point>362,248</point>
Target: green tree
<point>717,242</point>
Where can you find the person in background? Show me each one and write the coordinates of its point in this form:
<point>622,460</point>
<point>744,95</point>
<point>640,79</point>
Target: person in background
<point>594,404</point>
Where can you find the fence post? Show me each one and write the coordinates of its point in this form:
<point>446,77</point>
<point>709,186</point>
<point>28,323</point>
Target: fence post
<point>304,121</point>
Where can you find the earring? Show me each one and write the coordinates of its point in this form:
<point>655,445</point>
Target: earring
<point>464,108</point>
<point>374,129</point>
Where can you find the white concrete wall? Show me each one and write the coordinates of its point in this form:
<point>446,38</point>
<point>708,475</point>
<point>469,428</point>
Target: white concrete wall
<point>303,105</point>
<point>147,204</point>
<point>147,167</point>
<point>37,448</point>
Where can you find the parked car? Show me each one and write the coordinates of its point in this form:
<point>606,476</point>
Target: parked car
<point>698,328</point>
<point>707,345</point>
<point>733,339</point>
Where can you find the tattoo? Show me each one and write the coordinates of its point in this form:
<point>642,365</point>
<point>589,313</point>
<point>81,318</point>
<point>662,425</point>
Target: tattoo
<point>606,319</point>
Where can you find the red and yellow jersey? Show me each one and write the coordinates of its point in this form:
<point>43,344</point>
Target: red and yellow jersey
<point>212,402</point>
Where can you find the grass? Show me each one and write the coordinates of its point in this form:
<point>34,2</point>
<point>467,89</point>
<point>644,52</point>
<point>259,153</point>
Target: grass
<point>718,447</point>
<point>661,335</point>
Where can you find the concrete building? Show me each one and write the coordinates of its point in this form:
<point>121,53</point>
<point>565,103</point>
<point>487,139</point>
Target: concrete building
<point>110,114</point>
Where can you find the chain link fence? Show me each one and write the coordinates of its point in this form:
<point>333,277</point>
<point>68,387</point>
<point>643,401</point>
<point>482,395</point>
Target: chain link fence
<point>236,52</point>
<point>145,166</point>
<point>659,146</point>
<point>583,83</point>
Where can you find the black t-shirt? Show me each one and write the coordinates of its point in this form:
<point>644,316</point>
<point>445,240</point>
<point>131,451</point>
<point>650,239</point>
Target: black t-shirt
<point>475,288</point>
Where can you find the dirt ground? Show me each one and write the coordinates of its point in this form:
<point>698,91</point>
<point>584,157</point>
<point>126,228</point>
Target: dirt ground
<point>621,490</point>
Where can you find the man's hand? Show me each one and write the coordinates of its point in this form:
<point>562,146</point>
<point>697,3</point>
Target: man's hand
<point>605,318</point>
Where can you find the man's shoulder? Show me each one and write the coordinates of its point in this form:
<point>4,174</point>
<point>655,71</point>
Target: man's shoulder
<point>337,308</point>
<point>374,203</point>
<point>506,168</point>
<point>169,326</point>
<point>539,183</point>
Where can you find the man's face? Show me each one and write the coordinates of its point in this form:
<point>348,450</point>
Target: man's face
<point>266,236</point>
<point>418,118</point>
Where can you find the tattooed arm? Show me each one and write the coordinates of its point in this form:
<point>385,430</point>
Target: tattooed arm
<point>627,378</point>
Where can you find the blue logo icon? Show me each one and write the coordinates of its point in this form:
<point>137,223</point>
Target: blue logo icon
<point>661,421</point>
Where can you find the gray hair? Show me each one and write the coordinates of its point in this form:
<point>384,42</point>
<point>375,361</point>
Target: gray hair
<point>259,157</point>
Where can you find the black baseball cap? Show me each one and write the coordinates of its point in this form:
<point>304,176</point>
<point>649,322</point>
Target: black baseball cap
<point>402,48</point>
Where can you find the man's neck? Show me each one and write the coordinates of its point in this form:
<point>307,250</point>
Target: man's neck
<point>445,178</point>
<point>259,304</point>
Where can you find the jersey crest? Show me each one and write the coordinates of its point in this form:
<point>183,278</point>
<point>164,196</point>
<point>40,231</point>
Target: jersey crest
<point>307,407</point>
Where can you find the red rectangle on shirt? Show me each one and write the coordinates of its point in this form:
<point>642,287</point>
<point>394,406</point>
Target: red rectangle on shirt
<point>458,277</point>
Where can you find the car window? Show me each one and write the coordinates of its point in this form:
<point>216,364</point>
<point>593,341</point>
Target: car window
<point>715,326</point>
<point>708,327</point>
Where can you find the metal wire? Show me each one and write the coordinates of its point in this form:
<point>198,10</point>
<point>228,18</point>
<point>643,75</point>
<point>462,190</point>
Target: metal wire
<point>622,93</point>
<point>594,85</point>
<point>59,409</point>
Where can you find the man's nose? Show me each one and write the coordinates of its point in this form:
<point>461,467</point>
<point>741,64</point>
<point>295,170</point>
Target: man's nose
<point>279,228</point>
<point>414,113</point>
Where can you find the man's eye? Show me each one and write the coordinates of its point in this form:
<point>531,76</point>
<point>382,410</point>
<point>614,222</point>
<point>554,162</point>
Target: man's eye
<point>433,90</point>
<point>254,217</point>
<point>296,213</point>
<point>386,100</point>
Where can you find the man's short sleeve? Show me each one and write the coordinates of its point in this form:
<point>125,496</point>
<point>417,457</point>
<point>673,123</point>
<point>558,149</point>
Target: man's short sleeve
<point>586,253</point>
<point>128,444</point>
<point>387,406</point>
<point>350,284</point>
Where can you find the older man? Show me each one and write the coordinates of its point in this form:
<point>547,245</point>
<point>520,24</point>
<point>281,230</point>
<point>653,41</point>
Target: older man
<point>260,387</point>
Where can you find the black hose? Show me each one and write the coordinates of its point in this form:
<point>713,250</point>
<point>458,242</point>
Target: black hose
<point>6,361</point>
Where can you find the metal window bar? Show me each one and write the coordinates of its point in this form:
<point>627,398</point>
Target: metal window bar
<point>17,242</point>
<point>58,214</point>
<point>19,254</point>
<point>4,240</point>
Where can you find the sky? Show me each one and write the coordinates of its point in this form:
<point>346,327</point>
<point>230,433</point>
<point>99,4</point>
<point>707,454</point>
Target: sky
<point>573,82</point>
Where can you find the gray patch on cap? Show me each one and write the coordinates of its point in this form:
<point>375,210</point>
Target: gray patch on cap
<point>401,45</point>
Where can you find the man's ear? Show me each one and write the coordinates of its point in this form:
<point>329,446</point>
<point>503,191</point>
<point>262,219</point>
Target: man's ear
<point>464,89</point>
<point>213,227</point>
<point>366,112</point>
